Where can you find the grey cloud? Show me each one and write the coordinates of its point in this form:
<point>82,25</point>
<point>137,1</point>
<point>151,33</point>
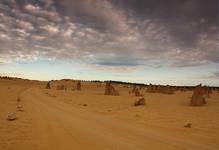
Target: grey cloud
<point>183,19</point>
<point>110,33</point>
<point>213,75</point>
<point>216,74</point>
<point>118,61</point>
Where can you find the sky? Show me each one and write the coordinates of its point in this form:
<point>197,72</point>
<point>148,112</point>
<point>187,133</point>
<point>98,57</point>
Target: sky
<point>172,42</point>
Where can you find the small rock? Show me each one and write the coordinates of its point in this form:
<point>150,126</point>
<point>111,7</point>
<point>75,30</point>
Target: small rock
<point>188,125</point>
<point>137,115</point>
<point>139,102</point>
<point>11,116</point>
<point>20,109</point>
<point>84,104</point>
<point>19,106</point>
<point>18,100</point>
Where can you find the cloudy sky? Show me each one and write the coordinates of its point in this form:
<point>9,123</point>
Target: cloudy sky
<point>150,41</point>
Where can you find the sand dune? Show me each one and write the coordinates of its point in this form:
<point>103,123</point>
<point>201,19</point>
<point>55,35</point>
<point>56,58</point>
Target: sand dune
<point>89,120</point>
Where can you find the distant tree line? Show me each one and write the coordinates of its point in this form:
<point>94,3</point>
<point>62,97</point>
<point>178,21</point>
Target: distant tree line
<point>115,82</point>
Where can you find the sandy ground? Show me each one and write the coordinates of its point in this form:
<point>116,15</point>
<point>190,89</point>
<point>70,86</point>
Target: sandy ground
<point>89,120</point>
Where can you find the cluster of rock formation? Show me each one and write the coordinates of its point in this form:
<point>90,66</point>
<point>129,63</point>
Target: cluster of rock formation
<point>200,93</point>
<point>198,98</point>
<point>110,90</point>
<point>64,86</point>
<point>160,89</point>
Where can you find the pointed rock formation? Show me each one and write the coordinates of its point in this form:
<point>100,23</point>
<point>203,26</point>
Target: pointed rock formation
<point>110,90</point>
<point>198,96</point>
<point>137,92</point>
<point>134,88</point>
<point>207,91</point>
<point>48,86</point>
<point>78,86</point>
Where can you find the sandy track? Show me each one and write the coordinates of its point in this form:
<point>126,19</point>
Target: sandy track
<point>60,126</point>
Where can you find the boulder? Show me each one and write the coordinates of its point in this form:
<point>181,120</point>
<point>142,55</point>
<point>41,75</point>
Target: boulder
<point>140,102</point>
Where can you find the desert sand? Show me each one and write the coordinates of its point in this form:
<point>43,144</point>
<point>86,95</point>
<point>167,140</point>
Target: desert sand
<point>89,120</point>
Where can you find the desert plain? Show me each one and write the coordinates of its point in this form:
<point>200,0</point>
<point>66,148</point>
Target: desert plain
<point>86,119</point>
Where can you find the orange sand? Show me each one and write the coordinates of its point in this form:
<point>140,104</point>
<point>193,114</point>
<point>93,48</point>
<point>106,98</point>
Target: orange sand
<point>90,120</point>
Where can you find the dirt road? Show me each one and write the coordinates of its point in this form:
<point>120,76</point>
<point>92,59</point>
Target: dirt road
<point>59,126</point>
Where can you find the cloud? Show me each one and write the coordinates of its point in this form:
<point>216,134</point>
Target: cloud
<point>111,33</point>
<point>4,60</point>
<point>33,9</point>
<point>115,60</point>
<point>24,24</point>
<point>216,75</point>
<point>213,75</point>
<point>50,28</point>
